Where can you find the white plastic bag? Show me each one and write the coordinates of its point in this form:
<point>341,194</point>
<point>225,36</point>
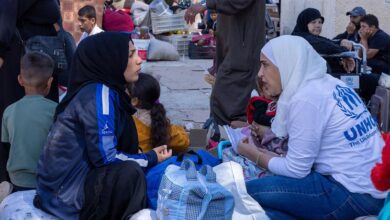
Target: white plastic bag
<point>230,176</point>
<point>139,11</point>
<point>159,50</point>
<point>19,205</point>
<point>160,7</point>
<point>145,214</point>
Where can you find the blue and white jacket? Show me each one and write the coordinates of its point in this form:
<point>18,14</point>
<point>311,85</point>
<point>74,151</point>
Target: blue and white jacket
<point>84,136</point>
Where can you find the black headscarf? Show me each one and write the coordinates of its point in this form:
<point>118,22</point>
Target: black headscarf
<point>321,44</point>
<point>103,58</point>
<point>100,58</point>
<point>304,18</point>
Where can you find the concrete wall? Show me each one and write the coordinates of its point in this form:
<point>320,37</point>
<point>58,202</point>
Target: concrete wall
<point>334,13</point>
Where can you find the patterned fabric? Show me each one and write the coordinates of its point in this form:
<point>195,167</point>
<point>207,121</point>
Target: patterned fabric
<point>273,143</point>
<point>185,193</point>
<point>250,169</point>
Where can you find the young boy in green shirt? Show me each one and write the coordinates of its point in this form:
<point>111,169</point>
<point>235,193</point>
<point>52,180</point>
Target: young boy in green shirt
<point>26,123</point>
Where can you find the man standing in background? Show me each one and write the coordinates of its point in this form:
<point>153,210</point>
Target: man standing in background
<point>87,22</point>
<point>239,38</point>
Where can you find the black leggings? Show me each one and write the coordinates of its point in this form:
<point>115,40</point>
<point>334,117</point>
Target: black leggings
<point>16,188</point>
<point>4,153</point>
<point>115,192</point>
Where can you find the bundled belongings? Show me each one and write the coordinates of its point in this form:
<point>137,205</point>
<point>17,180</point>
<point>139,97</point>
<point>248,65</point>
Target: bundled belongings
<point>179,41</point>
<point>154,175</point>
<point>117,20</point>
<point>159,50</point>
<point>140,14</point>
<point>202,47</point>
<point>185,193</point>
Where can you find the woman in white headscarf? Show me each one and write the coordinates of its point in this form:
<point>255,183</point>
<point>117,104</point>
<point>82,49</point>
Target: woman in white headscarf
<point>333,140</point>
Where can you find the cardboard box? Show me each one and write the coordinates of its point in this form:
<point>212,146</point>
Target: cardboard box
<point>198,138</point>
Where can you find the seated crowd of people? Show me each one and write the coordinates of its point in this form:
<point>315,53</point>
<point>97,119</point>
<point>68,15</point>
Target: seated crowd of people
<point>363,29</point>
<point>87,156</point>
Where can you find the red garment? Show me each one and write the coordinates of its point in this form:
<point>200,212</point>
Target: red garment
<point>117,20</point>
<point>271,110</point>
<point>380,175</point>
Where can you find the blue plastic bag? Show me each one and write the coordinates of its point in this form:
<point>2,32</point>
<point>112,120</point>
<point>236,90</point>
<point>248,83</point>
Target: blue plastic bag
<point>155,174</point>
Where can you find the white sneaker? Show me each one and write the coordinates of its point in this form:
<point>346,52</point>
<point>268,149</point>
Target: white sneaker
<point>5,189</point>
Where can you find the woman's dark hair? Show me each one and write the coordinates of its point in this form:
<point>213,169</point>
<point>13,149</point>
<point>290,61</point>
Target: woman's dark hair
<point>147,90</point>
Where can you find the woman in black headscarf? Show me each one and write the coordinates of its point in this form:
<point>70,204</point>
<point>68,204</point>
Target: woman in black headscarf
<point>309,26</point>
<point>89,167</point>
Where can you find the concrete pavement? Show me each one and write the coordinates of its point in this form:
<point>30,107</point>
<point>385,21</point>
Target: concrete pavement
<point>184,92</point>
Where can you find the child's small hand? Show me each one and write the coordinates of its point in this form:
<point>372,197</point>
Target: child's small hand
<point>162,153</point>
<point>258,130</point>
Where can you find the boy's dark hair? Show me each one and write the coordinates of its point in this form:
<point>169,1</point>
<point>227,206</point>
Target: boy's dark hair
<point>87,11</point>
<point>371,20</point>
<point>147,90</point>
<point>36,68</point>
<point>211,11</point>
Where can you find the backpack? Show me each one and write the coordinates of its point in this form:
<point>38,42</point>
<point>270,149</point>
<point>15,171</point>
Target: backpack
<point>185,193</point>
<point>60,48</point>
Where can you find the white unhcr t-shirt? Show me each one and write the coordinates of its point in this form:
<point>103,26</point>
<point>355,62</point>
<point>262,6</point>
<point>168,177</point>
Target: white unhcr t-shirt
<point>331,131</point>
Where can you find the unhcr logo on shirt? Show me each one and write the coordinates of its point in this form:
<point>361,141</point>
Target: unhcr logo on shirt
<point>352,106</point>
<point>361,130</point>
<point>349,102</point>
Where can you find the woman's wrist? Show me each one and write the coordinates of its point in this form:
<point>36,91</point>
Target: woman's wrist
<point>264,156</point>
<point>257,159</point>
<point>262,160</point>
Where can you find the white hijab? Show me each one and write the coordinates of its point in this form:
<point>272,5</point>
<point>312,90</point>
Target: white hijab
<point>298,63</point>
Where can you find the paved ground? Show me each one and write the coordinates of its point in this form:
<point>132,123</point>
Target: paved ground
<point>185,94</point>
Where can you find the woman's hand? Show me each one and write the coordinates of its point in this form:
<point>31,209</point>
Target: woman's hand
<point>258,155</point>
<point>162,153</point>
<point>244,147</point>
<point>269,153</point>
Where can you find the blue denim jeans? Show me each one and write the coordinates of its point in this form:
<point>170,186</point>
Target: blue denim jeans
<point>313,197</point>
